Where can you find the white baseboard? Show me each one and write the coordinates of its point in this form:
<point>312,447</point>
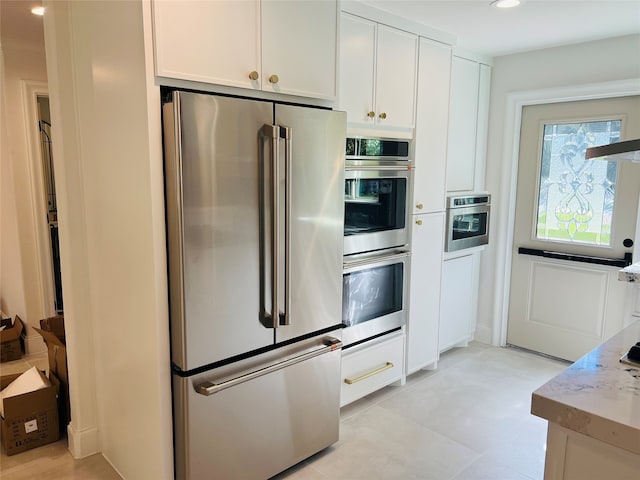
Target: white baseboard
<point>83,443</point>
<point>34,344</point>
<point>483,334</point>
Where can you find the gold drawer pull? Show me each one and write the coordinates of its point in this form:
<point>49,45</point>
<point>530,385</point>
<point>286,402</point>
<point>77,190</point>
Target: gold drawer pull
<point>350,381</point>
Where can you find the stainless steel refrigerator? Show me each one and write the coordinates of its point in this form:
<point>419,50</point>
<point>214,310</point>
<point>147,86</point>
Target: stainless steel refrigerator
<point>254,208</point>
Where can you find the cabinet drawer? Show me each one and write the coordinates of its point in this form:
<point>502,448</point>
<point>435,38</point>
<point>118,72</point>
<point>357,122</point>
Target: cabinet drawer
<point>369,367</point>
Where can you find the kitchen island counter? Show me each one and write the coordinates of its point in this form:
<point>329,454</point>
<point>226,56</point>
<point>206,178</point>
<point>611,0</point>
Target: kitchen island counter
<point>593,409</point>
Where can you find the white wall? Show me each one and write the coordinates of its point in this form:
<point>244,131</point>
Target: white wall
<point>569,66</point>
<point>21,291</point>
<point>108,160</point>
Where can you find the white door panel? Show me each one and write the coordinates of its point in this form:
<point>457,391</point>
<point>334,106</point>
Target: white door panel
<point>560,307</point>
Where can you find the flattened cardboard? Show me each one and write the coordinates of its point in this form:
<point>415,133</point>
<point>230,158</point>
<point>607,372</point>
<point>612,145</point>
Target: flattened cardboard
<point>52,332</point>
<point>31,419</point>
<point>12,341</point>
<point>54,325</point>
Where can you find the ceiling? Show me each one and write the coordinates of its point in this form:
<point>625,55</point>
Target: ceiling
<point>478,26</point>
<point>19,25</point>
<point>534,24</point>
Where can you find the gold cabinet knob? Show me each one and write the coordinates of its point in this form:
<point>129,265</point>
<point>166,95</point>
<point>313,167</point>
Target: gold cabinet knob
<point>419,206</point>
<point>418,222</point>
<point>253,75</point>
<point>383,115</point>
<point>274,79</point>
<point>371,114</point>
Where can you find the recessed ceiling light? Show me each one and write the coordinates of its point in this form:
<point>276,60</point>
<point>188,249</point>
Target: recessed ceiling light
<point>38,10</point>
<point>505,3</point>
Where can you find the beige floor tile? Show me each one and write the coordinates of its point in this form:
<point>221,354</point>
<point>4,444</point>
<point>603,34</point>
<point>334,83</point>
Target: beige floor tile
<point>467,420</point>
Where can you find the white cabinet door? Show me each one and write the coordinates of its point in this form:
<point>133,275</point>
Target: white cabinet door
<point>395,78</point>
<point>357,68</point>
<point>424,293</point>
<point>249,43</point>
<point>299,42</point>
<point>463,119</point>
<point>458,301</point>
<point>377,74</point>
<point>432,122</point>
<point>213,42</point>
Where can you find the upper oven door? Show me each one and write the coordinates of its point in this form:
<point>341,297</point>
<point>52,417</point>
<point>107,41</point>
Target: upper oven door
<point>376,213</point>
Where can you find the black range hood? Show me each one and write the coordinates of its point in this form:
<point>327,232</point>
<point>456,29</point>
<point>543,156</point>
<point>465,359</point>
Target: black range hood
<point>628,151</point>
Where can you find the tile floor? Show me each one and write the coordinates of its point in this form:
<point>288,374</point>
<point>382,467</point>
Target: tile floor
<point>468,420</point>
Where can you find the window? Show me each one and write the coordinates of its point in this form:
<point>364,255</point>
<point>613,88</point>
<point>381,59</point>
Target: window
<point>576,196</point>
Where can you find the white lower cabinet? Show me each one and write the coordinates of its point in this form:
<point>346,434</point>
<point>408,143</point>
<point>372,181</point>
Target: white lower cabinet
<point>371,365</point>
<point>424,293</point>
<point>459,301</point>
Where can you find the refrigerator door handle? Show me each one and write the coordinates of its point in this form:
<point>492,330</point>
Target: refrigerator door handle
<point>285,133</point>
<point>271,132</point>
<point>209,388</point>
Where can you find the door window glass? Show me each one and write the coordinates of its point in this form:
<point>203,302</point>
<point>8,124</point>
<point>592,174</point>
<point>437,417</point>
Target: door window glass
<point>576,197</point>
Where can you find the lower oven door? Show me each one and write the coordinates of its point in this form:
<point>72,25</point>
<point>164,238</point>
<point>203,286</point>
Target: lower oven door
<point>373,296</point>
<point>376,213</point>
<point>257,417</point>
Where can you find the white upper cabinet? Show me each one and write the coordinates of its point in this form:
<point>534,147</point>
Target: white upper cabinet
<point>432,120</point>
<point>377,74</point>
<point>282,46</point>
<point>468,119</point>
<point>299,45</point>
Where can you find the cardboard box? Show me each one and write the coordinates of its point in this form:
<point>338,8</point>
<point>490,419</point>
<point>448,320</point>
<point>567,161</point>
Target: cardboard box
<point>31,419</point>
<point>52,331</point>
<point>12,340</point>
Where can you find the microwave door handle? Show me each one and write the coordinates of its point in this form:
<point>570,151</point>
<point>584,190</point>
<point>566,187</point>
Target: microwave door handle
<point>285,133</point>
<point>270,132</point>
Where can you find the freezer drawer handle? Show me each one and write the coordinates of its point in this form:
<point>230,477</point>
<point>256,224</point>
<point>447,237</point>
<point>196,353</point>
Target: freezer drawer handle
<point>351,381</point>
<point>209,388</point>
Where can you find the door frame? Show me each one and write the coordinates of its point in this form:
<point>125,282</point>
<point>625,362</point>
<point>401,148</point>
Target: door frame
<point>509,178</point>
<point>44,264</point>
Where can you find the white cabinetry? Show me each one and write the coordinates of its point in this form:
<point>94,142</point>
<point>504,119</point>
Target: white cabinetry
<point>459,300</point>
<point>424,298</point>
<point>434,73</point>
<point>377,74</point>
<point>468,119</point>
<point>284,47</point>
<point>372,365</point>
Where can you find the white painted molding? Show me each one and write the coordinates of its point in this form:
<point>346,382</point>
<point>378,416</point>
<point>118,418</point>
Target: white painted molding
<point>483,334</point>
<point>508,182</point>
<point>31,90</point>
<point>380,16</point>
<point>473,56</point>
<point>83,443</point>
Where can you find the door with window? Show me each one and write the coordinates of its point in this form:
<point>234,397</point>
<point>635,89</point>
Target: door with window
<point>575,224</point>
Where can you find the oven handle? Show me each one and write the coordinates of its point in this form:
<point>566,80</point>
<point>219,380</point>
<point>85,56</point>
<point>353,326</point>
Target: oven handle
<point>469,209</point>
<point>374,168</point>
<point>380,260</point>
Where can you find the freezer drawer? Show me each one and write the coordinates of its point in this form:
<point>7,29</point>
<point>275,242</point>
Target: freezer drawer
<point>256,419</point>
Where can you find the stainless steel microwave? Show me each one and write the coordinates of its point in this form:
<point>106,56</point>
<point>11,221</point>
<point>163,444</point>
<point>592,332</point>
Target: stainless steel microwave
<point>467,221</point>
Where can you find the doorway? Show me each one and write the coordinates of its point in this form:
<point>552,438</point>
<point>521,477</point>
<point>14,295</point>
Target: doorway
<point>51,209</point>
<point>583,210</point>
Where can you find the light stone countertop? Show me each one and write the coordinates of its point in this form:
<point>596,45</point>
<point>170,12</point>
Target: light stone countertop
<point>597,396</point>
<point>630,273</point>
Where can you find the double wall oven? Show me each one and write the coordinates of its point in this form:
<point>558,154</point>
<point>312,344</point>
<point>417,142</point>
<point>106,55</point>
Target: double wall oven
<point>378,181</point>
